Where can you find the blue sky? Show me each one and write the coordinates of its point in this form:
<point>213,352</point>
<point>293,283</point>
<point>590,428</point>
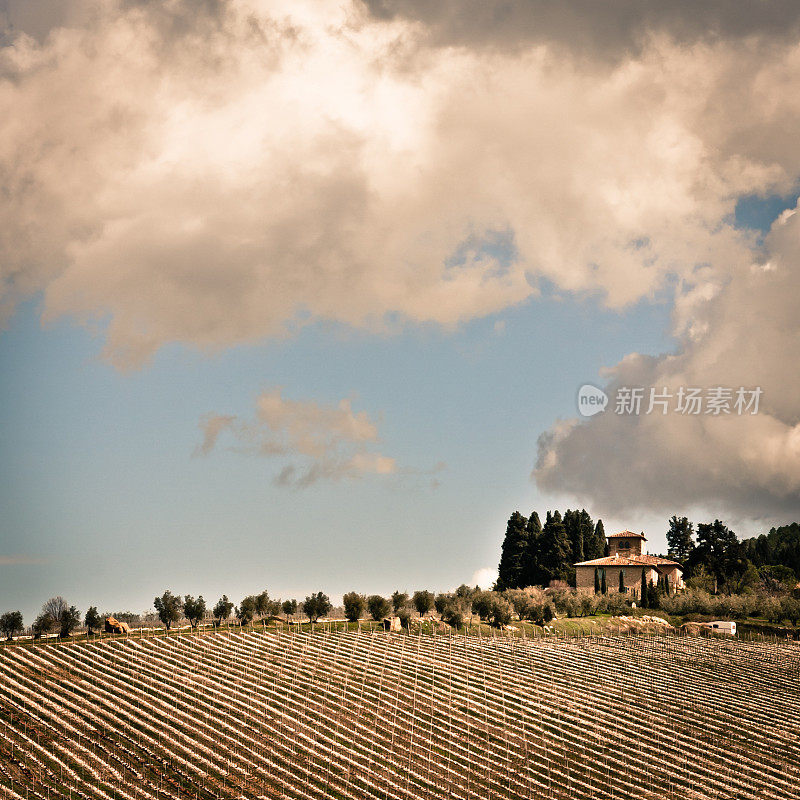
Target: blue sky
<point>100,480</point>
<point>427,235</point>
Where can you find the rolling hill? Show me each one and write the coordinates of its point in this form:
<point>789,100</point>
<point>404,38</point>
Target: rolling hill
<point>377,715</point>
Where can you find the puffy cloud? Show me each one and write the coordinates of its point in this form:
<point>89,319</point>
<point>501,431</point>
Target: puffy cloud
<point>227,181</point>
<point>356,466</point>
<point>747,335</point>
<point>223,176</point>
<point>212,426</point>
<point>312,429</point>
<point>484,577</point>
<point>321,442</point>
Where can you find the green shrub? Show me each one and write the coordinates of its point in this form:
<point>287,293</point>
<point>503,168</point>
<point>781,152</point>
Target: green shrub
<point>354,605</point>
<point>501,612</point>
<point>378,607</point>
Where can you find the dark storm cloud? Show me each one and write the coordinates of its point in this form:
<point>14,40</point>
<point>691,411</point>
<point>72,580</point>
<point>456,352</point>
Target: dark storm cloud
<point>606,30</point>
<point>37,18</point>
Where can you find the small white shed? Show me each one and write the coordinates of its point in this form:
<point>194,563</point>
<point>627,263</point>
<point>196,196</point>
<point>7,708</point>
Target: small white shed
<point>723,626</point>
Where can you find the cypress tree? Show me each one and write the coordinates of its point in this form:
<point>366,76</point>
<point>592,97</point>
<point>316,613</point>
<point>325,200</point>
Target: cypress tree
<point>603,587</point>
<point>569,527</point>
<point>596,580</point>
<point>555,551</point>
<point>622,581</point>
<point>531,569</point>
<point>650,595</point>
<point>587,536</point>
<point>574,529</point>
<point>598,541</point>
<point>644,598</point>
<point>679,538</point>
<point>509,571</point>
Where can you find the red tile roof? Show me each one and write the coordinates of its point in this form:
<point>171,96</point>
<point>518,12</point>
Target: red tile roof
<point>629,561</point>
<point>627,535</point>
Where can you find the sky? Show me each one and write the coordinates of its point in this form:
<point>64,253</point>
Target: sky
<point>300,296</point>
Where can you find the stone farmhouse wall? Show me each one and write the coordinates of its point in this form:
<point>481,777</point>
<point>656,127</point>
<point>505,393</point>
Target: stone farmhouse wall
<point>584,578</point>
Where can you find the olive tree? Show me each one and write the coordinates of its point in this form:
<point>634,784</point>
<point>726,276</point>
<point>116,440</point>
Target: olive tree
<point>423,601</point>
<point>44,623</point>
<point>263,604</point>
<point>316,606</point>
<point>289,607</point>
<point>466,592</point>
<point>501,612</point>
<point>404,613</point>
<point>247,610</point>
<point>790,608</point>
<point>194,610</point>
<point>379,607</point>
<point>354,604</point>
<point>399,599</point>
<point>454,611</point>
<point>11,623</point>
<point>68,621</point>
<point>92,620</point>
<point>222,610</point>
<point>440,602</point>
<point>482,604</point>
<point>169,608</point>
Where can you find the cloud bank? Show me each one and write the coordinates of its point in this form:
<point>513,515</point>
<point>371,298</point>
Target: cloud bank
<point>320,442</point>
<point>220,172</point>
<point>220,177</point>
<point>747,335</point>
<point>613,31</point>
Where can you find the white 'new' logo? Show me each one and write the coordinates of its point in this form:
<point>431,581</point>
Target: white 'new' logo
<point>591,400</point>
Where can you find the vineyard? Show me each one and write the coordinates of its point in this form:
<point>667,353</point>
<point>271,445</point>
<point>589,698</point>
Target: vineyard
<point>376,715</point>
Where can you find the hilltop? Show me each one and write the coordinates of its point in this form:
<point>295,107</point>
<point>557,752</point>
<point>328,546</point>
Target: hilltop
<point>377,715</point>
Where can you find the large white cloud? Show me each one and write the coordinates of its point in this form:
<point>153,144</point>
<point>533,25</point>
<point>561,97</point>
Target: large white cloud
<point>218,177</point>
<point>746,336</point>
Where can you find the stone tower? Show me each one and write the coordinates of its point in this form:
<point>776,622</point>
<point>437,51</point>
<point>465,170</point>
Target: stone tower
<point>626,543</point>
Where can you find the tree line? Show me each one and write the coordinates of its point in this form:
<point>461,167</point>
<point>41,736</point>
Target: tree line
<point>716,560</point>
<point>453,608</point>
<point>535,555</point>
<point>710,554</point>
<point>57,616</point>
<point>252,608</point>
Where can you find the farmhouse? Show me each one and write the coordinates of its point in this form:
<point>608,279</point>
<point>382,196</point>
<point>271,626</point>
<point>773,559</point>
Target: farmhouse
<point>625,556</point>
